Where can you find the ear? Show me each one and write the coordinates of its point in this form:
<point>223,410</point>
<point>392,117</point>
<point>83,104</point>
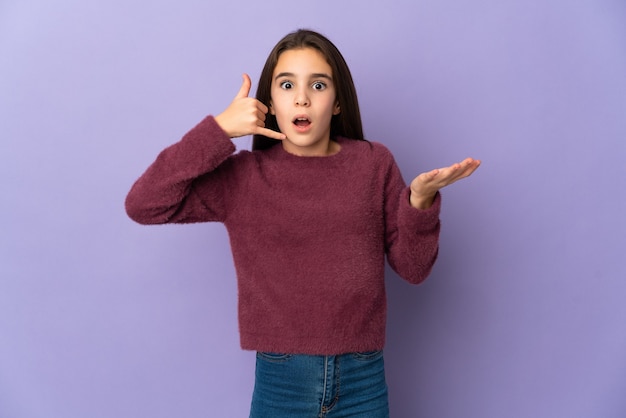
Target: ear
<point>337,109</point>
<point>271,106</point>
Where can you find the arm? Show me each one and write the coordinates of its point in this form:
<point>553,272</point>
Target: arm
<point>412,234</point>
<point>186,182</point>
<point>165,192</point>
<point>414,248</point>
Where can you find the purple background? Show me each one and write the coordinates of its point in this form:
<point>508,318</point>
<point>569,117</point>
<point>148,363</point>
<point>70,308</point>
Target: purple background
<point>525,313</point>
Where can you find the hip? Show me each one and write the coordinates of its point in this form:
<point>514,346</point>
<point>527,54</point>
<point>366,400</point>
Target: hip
<point>347,385</point>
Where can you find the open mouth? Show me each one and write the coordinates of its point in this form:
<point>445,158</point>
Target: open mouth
<point>301,122</point>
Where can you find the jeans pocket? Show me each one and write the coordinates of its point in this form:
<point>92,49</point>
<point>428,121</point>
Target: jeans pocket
<point>273,357</point>
<point>367,355</point>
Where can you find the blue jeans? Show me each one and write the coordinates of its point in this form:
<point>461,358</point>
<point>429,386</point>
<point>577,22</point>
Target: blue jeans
<point>303,386</point>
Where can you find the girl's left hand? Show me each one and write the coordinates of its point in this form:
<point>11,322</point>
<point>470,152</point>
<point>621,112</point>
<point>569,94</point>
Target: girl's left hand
<point>425,186</point>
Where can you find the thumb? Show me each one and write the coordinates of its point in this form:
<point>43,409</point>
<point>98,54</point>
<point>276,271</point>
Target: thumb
<point>245,87</point>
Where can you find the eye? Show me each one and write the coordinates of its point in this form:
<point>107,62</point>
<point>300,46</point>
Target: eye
<point>318,85</point>
<point>286,85</point>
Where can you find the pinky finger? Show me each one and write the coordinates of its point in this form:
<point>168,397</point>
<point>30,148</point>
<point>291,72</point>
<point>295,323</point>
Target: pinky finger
<point>433,173</point>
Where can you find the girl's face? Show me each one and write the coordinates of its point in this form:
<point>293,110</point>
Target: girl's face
<point>304,100</point>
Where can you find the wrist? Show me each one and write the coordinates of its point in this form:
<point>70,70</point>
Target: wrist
<point>219,119</point>
<point>421,201</point>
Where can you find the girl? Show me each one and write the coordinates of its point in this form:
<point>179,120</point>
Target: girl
<point>311,213</point>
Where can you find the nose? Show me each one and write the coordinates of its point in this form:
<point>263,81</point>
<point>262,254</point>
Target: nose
<point>302,99</point>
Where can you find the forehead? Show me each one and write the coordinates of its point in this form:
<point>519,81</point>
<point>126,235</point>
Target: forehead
<point>302,61</point>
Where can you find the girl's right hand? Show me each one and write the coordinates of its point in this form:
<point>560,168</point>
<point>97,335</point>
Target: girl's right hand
<point>246,115</point>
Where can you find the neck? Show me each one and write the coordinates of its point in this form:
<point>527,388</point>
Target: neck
<point>325,149</point>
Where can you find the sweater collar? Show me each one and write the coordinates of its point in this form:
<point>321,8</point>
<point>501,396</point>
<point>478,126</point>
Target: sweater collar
<point>278,154</point>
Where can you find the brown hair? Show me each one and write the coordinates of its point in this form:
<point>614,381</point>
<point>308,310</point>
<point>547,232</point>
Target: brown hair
<point>347,123</point>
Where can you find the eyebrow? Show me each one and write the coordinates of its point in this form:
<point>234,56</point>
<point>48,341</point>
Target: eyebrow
<point>314,75</point>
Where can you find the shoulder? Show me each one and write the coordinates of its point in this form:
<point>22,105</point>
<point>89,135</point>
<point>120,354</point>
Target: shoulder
<point>245,156</point>
<point>368,149</point>
<point>381,150</point>
<point>246,162</point>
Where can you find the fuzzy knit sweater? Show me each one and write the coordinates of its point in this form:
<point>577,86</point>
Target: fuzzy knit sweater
<point>308,235</point>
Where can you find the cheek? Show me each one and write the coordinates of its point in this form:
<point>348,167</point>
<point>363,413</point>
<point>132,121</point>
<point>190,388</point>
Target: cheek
<point>277,104</point>
<point>282,118</point>
<point>332,106</point>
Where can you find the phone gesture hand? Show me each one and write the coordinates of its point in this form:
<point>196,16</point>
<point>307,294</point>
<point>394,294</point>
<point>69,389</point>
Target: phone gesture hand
<point>246,115</point>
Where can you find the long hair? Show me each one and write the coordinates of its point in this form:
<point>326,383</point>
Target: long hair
<point>347,123</point>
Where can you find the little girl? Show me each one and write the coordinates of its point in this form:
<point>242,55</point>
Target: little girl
<point>311,213</point>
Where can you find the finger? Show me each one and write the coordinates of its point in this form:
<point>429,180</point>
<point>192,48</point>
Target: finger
<point>458,171</point>
<point>260,111</point>
<point>271,134</point>
<point>245,87</point>
<point>262,107</point>
<point>470,162</point>
<point>428,176</point>
<point>470,170</point>
<point>468,166</point>
<point>433,173</point>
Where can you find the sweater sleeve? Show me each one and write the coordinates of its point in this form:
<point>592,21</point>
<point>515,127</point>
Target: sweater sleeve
<point>167,192</point>
<point>412,235</point>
